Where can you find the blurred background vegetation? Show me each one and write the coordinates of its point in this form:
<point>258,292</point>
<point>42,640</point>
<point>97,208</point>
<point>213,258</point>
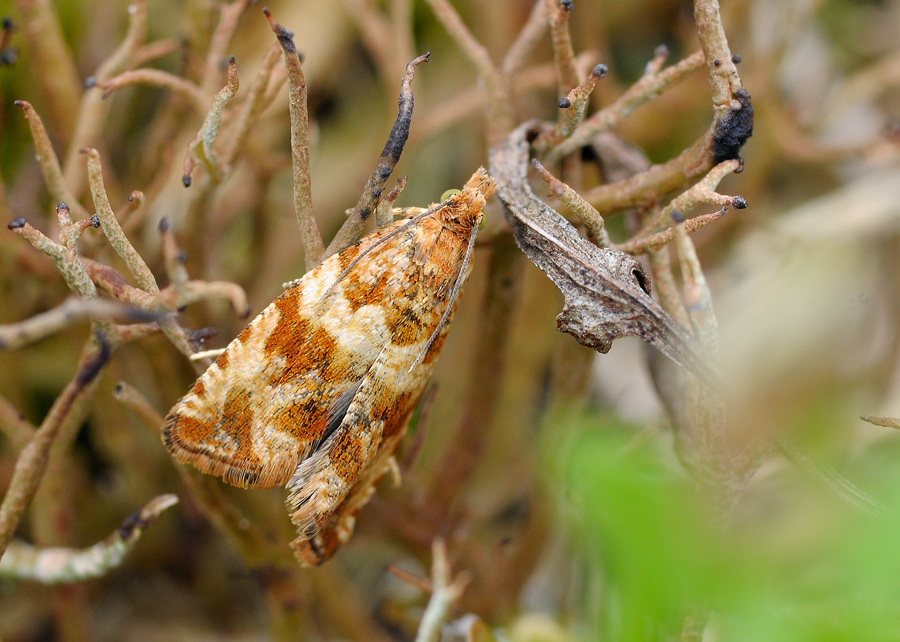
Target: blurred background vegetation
<point>571,511</point>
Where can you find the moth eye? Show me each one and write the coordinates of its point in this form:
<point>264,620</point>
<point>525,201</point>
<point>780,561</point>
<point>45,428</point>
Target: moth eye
<point>641,280</point>
<point>449,193</point>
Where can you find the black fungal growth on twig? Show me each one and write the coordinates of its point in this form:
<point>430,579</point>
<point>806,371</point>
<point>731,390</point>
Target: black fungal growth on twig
<point>733,130</point>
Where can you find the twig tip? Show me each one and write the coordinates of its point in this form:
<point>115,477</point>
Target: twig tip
<point>16,223</point>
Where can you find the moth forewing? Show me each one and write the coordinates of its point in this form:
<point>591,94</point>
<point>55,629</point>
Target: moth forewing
<point>315,393</point>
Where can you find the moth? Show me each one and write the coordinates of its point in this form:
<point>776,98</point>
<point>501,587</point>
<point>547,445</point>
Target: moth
<point>316,392</point>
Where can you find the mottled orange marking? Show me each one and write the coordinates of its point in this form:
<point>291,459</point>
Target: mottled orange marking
<point>335,348</point>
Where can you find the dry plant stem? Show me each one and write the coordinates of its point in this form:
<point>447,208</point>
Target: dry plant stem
<point>656,242</point>
<point>200,149</point>
<point>384,213</point>
<point>111,228</point>
<point>695,292</point>
<point>156,78</point>
<point>645,188</point>
<point>529,36</point>
<point>252,109</point>
<point>701,192</point>
<point>131,214</point>
<point>51,63</point>
<point>574,105</point>
<point>577,205</point>
<point>411,578</point>
<point>563,53</point>
<point>17,429</point>
<point>471,100</point>
<point>723,76</point>
<point>47,159</point>
<point>884,422</point>
<point>446,591</point>
<point>313,247</point>
<point>65,259</point>
<point>648,87</point>
<point>352,229</point>
<point>154,51</point>
<point>73,310</point>
<point>230,14</point>
<point>93,109</point>
<point>58,565</point>
<point>497,101</point>
<point>32,461</point>
<point>249,541</point>
<point>666,288</point>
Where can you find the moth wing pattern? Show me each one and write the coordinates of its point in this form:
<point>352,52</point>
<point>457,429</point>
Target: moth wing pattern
<point>263,406</point>
<point>329,486</point>
<point>316,392</point>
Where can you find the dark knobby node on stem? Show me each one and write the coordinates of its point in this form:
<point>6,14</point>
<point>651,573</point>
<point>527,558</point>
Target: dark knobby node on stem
<point>16,223</point>
<point>95,364</point>
<point>8,55</point>
<point>393,148</point>
<point>133,522</point>
<point>733,130</point>
<point>285,36</point>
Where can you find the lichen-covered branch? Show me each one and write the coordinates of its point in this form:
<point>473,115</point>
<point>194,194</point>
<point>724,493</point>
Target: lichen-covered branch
<point>200,149</point>
<point>313,247</point>
<point>32,461</point>
<point>111,228</point>
<point>72,310</point>
<point>155,78</point>
<point>57,565</point>
<point>47,159</point>
<point>649,86</point>
<point>577,205</point>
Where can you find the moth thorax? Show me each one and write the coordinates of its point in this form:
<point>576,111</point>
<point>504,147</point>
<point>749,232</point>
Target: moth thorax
<point>462,213</point>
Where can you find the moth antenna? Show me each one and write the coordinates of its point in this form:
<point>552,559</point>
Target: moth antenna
<point>384,239</point>
<point>453,294</point>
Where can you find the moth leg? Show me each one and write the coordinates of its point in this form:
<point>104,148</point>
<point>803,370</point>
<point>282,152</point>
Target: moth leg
<point>320,546</point>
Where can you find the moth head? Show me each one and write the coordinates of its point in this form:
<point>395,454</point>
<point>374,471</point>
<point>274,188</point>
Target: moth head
<point>462,211</point>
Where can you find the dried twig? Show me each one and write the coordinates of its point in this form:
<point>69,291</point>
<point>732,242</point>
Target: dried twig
<point>59,565</point>
<point>48,161</point>
<point>313,247</point>
<point>71,311</point>
<point>446,591</point>
<point>200,149</point>
<point>577,205</point>
<point>154,78</point>
<point>656,242</point>
<point>384,213</point>
<point>529,35</point>
<point>884,422</point>
<point>390,155</point>
<point>497,101</point>
<point>111,228</point>
<point>575,102</point>
<point>252,109</point>
<point>649,86</point>
<point>32,461</point>
<point>563,54</point>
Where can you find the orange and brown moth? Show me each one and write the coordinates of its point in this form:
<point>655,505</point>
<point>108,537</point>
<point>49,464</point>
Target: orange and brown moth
<point>316,392</point>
